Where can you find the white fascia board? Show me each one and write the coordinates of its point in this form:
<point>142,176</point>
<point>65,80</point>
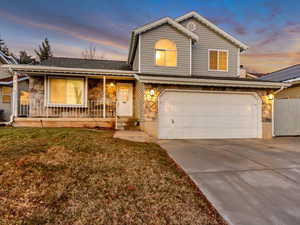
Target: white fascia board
<point>213,27</point>
<point>169,21</point>
<point>209,82</point>
<point>292,80</point>
<point>32,68</point>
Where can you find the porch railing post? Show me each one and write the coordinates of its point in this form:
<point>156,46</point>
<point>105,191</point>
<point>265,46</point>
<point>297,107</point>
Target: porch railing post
<point>15,95</point>
<point>104,97</point>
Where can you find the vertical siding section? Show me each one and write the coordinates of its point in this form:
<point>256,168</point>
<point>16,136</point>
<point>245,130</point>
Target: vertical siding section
<point>148,41</point>
<point>208,39</point>
<point>135,65</point>
<point>139,100</point>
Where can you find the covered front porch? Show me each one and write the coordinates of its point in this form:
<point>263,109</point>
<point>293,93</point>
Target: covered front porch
<point>75,99</point>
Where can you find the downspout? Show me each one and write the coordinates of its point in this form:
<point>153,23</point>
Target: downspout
<point>280,90</point>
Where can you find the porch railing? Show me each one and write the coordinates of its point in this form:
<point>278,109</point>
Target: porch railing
<point>93,109</point>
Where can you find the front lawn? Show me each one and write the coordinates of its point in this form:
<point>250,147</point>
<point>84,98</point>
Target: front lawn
<point>81,176</point>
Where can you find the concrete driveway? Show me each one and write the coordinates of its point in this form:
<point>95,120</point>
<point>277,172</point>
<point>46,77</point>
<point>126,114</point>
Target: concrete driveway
<point>249,181</point>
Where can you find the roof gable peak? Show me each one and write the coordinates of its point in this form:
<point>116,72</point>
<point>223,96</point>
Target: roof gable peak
<point>166,20</point>
<point>212,26</point>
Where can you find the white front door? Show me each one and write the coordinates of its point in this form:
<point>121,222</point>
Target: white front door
<point>124,99</point>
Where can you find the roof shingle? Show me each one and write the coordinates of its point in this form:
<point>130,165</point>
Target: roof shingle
<point>86,63</point>
<point>285,74</point>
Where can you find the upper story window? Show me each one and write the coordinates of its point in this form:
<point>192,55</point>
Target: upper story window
<point>165,53</point>
<point>68,91</point>
<point>218,60</point>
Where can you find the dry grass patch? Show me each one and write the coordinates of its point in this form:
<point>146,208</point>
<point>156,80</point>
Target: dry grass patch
<point>80,176</point>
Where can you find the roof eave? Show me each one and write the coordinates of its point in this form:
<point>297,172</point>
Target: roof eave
<point>45,69</point>
<point>209,82</point>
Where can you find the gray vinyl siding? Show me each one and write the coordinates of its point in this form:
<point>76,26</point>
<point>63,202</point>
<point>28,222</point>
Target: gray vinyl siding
<point>4,72</point>
<point>136,60</point>
<point>148,40</point>
<point>208,39</point>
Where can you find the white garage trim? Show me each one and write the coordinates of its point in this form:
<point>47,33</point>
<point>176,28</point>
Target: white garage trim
<point>254,94</point>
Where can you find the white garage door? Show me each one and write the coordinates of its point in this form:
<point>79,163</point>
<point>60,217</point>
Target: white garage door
<point>187,115</point>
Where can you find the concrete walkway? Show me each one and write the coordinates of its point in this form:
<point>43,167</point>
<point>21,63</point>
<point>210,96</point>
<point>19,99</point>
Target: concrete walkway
<point>250,182</point>
<point>133,135</point>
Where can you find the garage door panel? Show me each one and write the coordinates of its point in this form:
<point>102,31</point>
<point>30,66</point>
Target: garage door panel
<point>203,115</point>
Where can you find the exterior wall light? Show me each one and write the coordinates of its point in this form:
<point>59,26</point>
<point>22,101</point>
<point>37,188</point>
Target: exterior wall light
<point>152,92</point>
<point>111,84</point>
<point>270,96</point>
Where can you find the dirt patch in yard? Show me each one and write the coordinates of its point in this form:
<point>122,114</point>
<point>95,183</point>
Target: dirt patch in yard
<point>78,176</point>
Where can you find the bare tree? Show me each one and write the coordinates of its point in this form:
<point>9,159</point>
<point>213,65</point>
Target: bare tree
<point>89,53</point>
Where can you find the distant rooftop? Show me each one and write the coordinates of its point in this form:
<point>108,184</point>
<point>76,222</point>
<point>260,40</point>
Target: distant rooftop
<point>5,59</point>
<point>285,74</point>
<point>86,63</point>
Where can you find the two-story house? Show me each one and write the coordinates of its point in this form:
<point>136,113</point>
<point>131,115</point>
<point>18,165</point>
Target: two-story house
<point>181,80</point>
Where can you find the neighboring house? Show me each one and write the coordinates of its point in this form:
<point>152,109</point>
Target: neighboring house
<point>289,75</point>
<point>287,101</point>
<point>6,83</point>
<point>181,80</point>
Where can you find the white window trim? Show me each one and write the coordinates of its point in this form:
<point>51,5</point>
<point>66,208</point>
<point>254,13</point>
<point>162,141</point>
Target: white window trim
<point>155,49</point>
<point>191,57</point>
<point>218,50</point>
<point>84,97</point>
<point>238,62</point>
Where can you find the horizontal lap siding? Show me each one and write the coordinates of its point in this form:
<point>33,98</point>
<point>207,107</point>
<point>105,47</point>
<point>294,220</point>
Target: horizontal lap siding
<point>148,41</point>
<point>208,39</point>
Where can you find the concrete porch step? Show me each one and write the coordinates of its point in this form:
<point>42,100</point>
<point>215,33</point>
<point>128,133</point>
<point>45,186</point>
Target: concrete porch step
<point>126,123</point>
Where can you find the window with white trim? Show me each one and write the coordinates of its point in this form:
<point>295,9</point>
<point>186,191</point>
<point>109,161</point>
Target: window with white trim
<point>6,95</point>
<point>165,53</point>
<point>66,91</point>
<point>218,60</point>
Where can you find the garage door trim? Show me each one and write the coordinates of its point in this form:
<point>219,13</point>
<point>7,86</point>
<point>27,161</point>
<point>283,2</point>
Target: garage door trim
<point>254,94</point>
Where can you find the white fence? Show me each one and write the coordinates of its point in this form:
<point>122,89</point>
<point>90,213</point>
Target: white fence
<point>286,117</point>
<point>93,109</point>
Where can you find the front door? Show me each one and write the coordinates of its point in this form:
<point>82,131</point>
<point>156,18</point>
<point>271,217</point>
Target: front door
<point>124,99</point>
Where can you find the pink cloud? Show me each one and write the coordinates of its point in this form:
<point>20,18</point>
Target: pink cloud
<point>76,33</point>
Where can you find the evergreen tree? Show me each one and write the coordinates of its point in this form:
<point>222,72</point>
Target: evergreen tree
<point>24,58</point>
<point>44,52</point>
<point>2,44</point>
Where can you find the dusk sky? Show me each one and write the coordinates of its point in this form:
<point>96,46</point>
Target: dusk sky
<point>271,28</point>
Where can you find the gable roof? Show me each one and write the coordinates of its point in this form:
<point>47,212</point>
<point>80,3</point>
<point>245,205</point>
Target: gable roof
<point>212,26</point>
<point>166,20</point>
<point>86,63</point>
<point>285,74</point>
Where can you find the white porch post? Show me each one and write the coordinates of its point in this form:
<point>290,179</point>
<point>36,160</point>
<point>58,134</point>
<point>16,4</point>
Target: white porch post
<point>15,95</point>
<point>104,97</point>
